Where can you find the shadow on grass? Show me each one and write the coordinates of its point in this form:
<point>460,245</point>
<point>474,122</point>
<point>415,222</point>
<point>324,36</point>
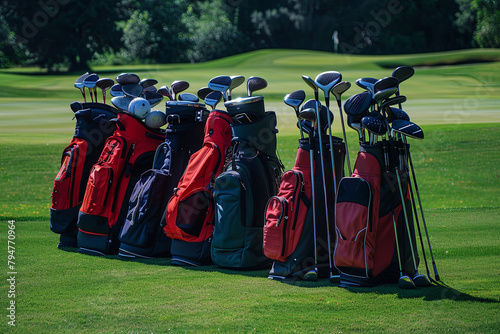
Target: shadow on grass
<point>440,291</point>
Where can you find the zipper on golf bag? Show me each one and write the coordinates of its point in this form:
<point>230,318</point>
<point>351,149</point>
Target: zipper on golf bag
<point>285,216</point>
<point>353,253</point>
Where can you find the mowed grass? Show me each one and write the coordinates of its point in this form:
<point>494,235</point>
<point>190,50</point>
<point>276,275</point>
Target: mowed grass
<point>457,171</point>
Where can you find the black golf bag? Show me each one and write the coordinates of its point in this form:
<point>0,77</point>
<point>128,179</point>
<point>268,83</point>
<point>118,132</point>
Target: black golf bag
<point>142,234</point>
<point>297,257</point>
<point>368,206</point>
<point>242,190</point>
<point>93,127</point>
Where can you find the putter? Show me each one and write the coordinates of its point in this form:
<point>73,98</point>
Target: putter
<point>220,84</point>
<point>90,82</point>
<point>213,99</point>
<point>337,91</point>
<point>294,100</point>
<point>80,86</point>
<point>255,84</point>
<point>236,80</point>
<point>104,84</point>
<point>178,86</point>
<point>203,92</point>
<point>309,114</point>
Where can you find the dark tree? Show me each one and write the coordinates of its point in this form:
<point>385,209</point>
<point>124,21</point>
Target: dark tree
<point>64,32</point>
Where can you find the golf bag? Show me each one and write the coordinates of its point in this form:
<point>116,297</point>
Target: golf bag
<point>127,154</point>
<point>190,211</point>
<point>289,231</point>
<point>93,127</point>
<point>241,193</point>
<point>142,234</point>
<point>368,206</point>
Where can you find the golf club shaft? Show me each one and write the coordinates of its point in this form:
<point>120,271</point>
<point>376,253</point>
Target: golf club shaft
<point>313,197</point>
<point>345,138</point>
<point>436,275</point>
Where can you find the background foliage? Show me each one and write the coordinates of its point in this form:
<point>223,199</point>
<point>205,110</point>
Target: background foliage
<point>71,35</point>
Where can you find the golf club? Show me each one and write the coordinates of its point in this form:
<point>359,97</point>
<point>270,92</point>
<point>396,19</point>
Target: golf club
<point>127,79</point>
<point>116,90</point>
<point>203,92</point>
<point>294,100</point>
<point>178,86</point>
<point>104,84</point>
<point>255,84</point>
<point>188,97</point>
<point>153,97</point>
<point>213,99</point>
<point>80,86</point>
<point>337,91</point>
<point>90,82</point>
<point>366,83</point>
<point>236,80</point>
<point>220,84</point>
<point>145,83</point>
<point>132,90</point>
<point>165,91</point>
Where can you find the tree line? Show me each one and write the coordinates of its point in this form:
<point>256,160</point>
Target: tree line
<point>71,34</point>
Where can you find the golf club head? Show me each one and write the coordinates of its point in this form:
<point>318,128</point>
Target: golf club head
<point>145,83</point>
<point>121,102</point>
<point>366,83</point>
<point>375,123</point>
<point>132,90</point>
<point>326,80</point>
<point>79,81</point>
<point>76,106</point>
<point>213,98</point>
<point>383,94</point>
<point>403,73</point>
<point>203,92</point>
<point>407,128</point>
<point>358,104</point>
<point>385,83</point>
<point>393,101</point>
<point>295,99</point>
<point>405,282</point>
<point>178,86</point>
<point>236,80</point>
<point>153,98</point>
<point>188,97</point>
<point>116,90</point>
<point>306,127</point>
<point>395,114</point>
<point>355,124</point>
<point>316,105</point>
<point>421,281</point>
<point>308,114</point>
<point>155,119</point>
<point>127,79</point>
<point>150,89</point>
<point>340,88</point>
<point>165,91</point>
<point>91,80</point>
<point>254,84</point>
<point>105,83</point>
<point>220,84</point>
<point>311,83</point>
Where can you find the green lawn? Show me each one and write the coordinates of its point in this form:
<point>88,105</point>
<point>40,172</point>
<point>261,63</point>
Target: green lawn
<point>453,96</point>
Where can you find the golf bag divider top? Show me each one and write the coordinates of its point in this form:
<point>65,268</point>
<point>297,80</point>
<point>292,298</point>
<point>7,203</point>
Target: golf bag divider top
<point>142,234</point>
<point>241,193</point>
<point>190,210</point>
<point>126,155</point>
<point>93,127</point>
<point>368,204</point>
<point>300,246</point>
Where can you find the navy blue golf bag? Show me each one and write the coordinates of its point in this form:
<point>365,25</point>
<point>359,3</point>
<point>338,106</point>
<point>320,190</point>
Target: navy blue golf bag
<point>142,234</point>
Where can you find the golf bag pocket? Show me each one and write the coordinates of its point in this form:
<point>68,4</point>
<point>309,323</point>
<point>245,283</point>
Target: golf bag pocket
<point>98,189</point>
<point>285,216</point>
<point>353,253</point>
<point>146,207</point>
